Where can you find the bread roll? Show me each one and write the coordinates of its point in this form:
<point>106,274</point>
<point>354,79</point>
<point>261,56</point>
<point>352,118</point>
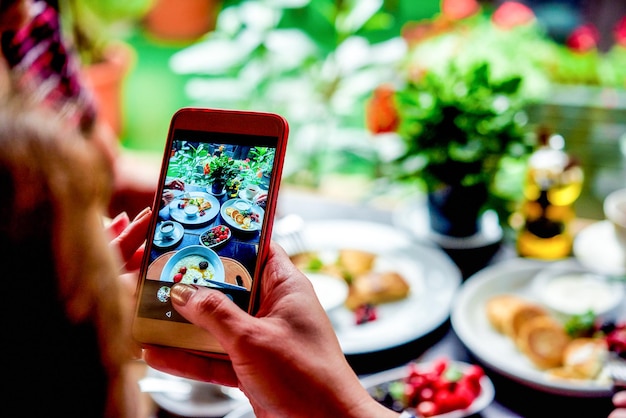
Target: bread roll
<point>375,288</point>
<point>543,340</point>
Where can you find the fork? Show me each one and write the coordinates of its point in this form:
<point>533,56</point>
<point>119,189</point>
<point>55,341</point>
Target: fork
<point>288,233</point>
<point>617,371</point>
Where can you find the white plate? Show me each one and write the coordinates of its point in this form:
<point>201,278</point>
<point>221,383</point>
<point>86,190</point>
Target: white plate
<point>432,276</point>
<point>180,216</point>
<point>487,391</point>
<point>254,226</point>
<point>597,248</point>
<point>205,400</point>
<point>470,323</point>
<point>413,216</point>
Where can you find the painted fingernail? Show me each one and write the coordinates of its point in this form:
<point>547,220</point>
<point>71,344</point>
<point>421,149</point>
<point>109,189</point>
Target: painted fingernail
<point>181,293</point>
<point>142,213</point>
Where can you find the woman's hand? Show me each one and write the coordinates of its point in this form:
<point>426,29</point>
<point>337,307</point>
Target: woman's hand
<point>127,240</point>
<point>619,400</point>
<point>286,359</point>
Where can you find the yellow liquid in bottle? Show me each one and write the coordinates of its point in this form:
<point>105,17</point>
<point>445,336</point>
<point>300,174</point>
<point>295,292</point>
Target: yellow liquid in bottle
<point>551,189</point>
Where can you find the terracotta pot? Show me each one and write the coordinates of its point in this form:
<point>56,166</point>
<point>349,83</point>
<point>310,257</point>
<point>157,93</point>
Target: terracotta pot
<point>184,20</point>
<point>106,79</point>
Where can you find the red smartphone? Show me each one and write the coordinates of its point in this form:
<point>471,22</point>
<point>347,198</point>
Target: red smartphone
<point>212,218</point>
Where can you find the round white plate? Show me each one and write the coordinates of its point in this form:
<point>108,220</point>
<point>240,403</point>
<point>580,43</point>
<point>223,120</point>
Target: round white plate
<point>198,220</point>
<point>469,321</point>
<point>597,248</point>
<point>254,226</point>
<point>413,216</point>
<point>487,391</point>
<point>205,400</point>
<point>432,276</point>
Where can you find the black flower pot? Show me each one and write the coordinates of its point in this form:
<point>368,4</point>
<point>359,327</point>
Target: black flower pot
<point>455,210</point>
<point>217,187</point>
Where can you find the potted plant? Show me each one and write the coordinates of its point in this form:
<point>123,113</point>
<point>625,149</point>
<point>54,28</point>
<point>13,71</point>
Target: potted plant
<point>459,113</point>
<point>219,169</point>
<point>94,28</point>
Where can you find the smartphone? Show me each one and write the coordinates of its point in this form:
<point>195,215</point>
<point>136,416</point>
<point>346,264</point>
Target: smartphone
<point>212,218</point>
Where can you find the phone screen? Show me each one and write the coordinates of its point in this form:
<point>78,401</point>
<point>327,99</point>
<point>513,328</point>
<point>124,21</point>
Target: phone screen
<point>211,218</point>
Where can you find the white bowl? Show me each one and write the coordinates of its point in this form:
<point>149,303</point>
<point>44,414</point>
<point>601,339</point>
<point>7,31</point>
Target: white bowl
<point>568,289</point>
<point>191,211</point>
<point>194,250</point>
<point>330,291</point>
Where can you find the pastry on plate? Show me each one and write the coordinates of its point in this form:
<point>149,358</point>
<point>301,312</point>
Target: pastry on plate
<point>375,288</point>
<point>543,340</point>
<point>519,315</point>
<point>355,263</point>
<point>499,308</point>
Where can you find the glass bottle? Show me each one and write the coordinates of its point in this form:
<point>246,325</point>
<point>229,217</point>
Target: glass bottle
<point>553,182</point>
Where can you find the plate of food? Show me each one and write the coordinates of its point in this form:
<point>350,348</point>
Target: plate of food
<point>442,388</point>
<point>195,264</point>
<point>194,208</point>
<point>457,390</point>
<point>242,215</point>
<point>215,236</point>
<point>398,291</point>
<point>501,317</point>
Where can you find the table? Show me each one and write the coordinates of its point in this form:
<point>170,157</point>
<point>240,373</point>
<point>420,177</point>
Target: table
<point>512,399</point>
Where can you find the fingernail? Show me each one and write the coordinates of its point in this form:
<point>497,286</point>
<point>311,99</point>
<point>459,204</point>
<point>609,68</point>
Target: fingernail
<point>181,293</point>
<point>142,213</point>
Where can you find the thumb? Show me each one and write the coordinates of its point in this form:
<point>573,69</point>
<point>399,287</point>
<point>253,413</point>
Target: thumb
<point>211,310</point>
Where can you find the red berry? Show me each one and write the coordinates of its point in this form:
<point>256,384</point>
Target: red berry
<point>182,270</point>
<point>178,277</point>
<point>427,409</point>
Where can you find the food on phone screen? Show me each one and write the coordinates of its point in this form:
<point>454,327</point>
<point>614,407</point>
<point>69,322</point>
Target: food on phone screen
<point>215,236</point>
<point>193,269</point>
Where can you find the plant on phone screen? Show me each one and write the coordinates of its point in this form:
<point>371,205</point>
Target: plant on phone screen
<point>261,160</point>
<point>219,169</point>
<point>187,163</point>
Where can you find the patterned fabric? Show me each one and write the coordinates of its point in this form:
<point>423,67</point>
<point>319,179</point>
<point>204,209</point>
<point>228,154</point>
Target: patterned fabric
<point>42,66</point>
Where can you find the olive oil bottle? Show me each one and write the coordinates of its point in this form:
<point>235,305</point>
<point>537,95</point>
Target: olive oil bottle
<point>553,182</point>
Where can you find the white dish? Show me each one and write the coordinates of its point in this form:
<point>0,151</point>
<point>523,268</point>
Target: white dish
<point>597,248</point>
<point>470,323</point>
<point>205,399</point>
<point>199,219</point>
<point>486,396</point>
<point>568,288</point>
<point>432,276</point>
<point>331,291</point>
<point>206,254</point>
<point>169,242</point>
<point>254,226</point>
<point>413,216</point>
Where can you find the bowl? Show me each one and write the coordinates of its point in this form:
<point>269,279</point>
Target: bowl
<point>191,211</point>
<point>568,288</point>
<point>330,291</point>
<point>215,236</point>
<point>190,257</point>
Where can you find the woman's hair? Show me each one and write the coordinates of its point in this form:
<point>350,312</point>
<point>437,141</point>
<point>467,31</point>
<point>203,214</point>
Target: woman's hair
<point>66,325</point>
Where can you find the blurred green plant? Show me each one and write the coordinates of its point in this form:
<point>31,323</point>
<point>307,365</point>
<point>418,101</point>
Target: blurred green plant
<point>93,24</point>
<point>313,61</point>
